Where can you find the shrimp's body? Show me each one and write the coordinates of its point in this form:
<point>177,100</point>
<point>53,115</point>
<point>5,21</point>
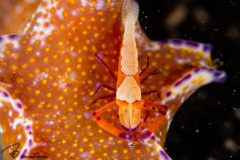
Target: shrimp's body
<point>128,92</point>
<point>128,84</point>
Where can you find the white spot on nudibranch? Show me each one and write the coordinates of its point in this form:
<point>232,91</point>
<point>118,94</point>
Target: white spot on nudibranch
<point>19,136</point>
<point>1,131</point>
<point>10,113</point>
<point>86,115</point>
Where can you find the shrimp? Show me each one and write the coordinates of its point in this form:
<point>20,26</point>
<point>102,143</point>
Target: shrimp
<point>128,91</point>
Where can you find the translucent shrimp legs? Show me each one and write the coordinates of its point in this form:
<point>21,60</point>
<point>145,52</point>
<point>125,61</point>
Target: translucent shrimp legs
<point>128,92</point>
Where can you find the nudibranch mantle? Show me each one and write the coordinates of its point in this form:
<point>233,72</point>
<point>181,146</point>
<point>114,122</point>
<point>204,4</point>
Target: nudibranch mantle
<point>51,72</point>
<point>25,124</point>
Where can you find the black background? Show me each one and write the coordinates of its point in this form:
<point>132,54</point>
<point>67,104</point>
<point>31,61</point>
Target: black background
<point>211,116</point>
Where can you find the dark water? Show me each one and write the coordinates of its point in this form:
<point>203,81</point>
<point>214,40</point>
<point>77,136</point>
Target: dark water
<point>207,126</point>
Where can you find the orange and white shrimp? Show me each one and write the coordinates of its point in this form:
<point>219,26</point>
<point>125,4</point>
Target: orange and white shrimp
<point>128,91</point>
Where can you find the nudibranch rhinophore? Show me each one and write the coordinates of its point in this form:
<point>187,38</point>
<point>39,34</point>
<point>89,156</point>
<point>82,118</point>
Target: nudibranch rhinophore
<point>50,71</point>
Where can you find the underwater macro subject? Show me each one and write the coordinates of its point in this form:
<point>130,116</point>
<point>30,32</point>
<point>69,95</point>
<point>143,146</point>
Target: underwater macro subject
<point>53,67</point>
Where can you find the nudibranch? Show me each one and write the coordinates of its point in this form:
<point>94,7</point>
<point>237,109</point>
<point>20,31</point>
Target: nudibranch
<point>49,73</point>
<point>15,14</point>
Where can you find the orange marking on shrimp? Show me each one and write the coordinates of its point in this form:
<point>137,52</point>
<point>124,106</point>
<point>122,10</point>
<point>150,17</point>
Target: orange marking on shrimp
<point>128,91</point>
